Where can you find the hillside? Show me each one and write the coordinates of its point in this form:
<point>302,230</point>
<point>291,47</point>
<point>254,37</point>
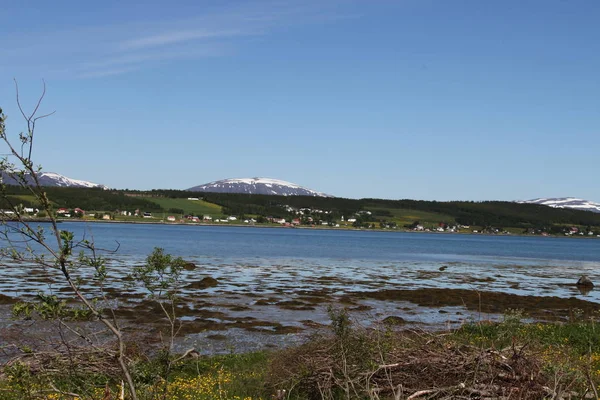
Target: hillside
<point>256,186</point>
<point>487,213</point>
<point>85,198</point>
<point>566,202</point>
<point>496,214</point>
<point>51,179</point>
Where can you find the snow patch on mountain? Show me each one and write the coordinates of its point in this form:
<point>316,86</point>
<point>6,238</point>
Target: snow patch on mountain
<point>53,179</point>
<point>566,202</point>
<point>61,180</point>
<point>257,186</point>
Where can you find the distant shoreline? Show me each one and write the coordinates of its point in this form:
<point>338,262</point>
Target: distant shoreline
<point>328,228</point>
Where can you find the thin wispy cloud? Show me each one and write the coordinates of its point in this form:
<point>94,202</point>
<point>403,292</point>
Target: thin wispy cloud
<point>140,58</point>
<point>108,72</point>
<point>108,50</point>
<point>175,37</point>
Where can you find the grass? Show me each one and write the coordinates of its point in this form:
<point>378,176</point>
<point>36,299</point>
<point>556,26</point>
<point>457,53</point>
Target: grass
<point>26,198</point>
<point>195,207</point>
<point>405,216</point>
<point>509,359</point>
<point>227,377</point>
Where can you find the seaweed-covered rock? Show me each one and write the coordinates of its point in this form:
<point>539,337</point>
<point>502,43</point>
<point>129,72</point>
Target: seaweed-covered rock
<point>394,320</point>
<point>584,281</point>
<point>204,283</point>
<point>189,266</point>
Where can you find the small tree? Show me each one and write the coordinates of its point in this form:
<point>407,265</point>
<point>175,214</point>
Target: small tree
<point>51,249</point>
<point>160,278</point>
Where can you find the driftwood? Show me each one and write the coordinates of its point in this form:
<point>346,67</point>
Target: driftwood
<point>425,366</point>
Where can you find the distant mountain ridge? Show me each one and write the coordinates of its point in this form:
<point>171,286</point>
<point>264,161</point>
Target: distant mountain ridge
<point>257,186</point>
<point>53,179</point>
<point>566,202</point>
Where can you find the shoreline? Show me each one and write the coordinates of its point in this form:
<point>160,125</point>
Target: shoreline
<point>328,228</point>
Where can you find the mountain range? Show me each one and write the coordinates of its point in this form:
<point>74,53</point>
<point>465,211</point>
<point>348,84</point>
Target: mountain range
<point>566,202</point>
<point>257,186</point>
<point>52,179</point>
<point>268,186</point>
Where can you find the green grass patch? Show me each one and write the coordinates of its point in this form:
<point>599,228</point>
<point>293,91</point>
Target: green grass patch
<point>404,216</point>
<point>195,207</point>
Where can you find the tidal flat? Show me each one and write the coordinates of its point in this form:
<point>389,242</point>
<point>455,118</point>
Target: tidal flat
<point>248,289</point>
<point>243,305</point>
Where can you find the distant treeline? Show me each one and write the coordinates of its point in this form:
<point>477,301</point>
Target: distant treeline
<point>495,213</point>
<point>268,205</point>
<point>84,198</point>
<point>485,213</point>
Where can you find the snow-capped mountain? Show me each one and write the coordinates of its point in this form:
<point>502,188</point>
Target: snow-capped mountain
<point>257,186</point>
<point>53,179</point>
<point>566,202</point>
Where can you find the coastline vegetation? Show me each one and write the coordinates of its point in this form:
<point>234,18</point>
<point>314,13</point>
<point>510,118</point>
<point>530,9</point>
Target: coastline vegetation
<point>508,359</point>
<point>487,216</point>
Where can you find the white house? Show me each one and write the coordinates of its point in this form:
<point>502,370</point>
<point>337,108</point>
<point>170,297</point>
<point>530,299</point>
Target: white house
<point>171,218</point>
<point>207,218</point>
<point>351,219</point>
<point>232,218</point>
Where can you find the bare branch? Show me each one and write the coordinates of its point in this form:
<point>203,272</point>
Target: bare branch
<point>18,100</point>
<point>40,99</point>
<point>44,116</point>
<point>31,119</point>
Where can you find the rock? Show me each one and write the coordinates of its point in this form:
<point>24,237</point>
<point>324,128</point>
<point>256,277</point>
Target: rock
<point>204,283</point>
<point>443,268</point>
<point>584,281</point>
<point>394,320</point>
<point>189,266</point>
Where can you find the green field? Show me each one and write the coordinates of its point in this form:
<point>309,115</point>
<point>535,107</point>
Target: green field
<point>403,216</point>
<point>27,198</point>
<point>194,207</point>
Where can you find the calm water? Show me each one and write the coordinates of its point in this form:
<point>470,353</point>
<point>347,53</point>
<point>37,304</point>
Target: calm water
<point>265,258</point>
<point>271,265</point>
<point>138,240</point>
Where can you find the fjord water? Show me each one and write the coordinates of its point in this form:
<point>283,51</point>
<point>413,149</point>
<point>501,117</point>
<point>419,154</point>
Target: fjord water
<point>290,276</point>
<point>362,260</point>
<point>258,242</point>
<point>277,259</point>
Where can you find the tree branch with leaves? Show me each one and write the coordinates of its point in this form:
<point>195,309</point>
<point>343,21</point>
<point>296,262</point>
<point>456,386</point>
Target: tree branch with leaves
<point>48,248</point>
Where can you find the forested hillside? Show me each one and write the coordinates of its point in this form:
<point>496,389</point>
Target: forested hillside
<point>486,213</point>
<point>85,198</point>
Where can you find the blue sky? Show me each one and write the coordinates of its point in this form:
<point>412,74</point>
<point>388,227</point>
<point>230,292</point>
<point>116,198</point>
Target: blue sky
<point>418,99</point>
